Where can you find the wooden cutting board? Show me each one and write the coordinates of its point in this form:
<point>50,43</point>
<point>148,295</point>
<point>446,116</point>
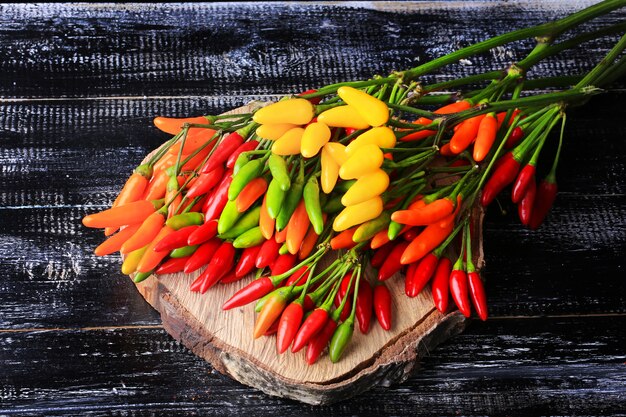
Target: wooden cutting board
<point>224,338</point>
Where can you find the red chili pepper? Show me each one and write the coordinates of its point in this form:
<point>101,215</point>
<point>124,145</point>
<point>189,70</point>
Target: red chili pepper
<point>314,100</point>
<point>205,182</point>
<point>525,207</point>
<point>411,233</point>
<point>220,264</point>
<point>441,283</point>
<point>218,199</point>
<point>172,265</point>
<point>202,255</point>
<point>501,177</point>
<point>283,264</point>
<point>421,275</point>
<point>311,326</point>
<point>251,292</point>
<point>176,239</point>
<point>250,194</point>
<point>392,264</point>
<point>516,135</point>
<point>268,253</point>
<point>247,261</point>
<point>272,330</point>
<point>347,308</point>
<point>203,233</point>
<point>299,277</point>
<point>382,305</point>
<point>381,254</point>
<point>544,199</point>
<point>317,344</point>
<point>245,147</point>
<point>524,178</point>
<point>477,292</point>
<point>364,306</point>
<point>226,147</point>
<point>288,326</point>
<point>229,277</point>
<point>458,289</point>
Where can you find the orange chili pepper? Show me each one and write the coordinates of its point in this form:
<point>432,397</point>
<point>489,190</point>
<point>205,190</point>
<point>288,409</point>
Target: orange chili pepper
<point>270,312</point>
<point>500,117</point>
<point>152,258</point>
<point>465,135</point>
<point>266,223</point>
<point>146,232</point>
<point>297,228</point>
<point>425,215</point>
<point>485,137</point>
<point>167,161</point>
<point>251,193</point>
<point>156,188</point>
<point>344,239</point>
<point>173,125</point>
<point>429,239</point>
<point>307,244</point>
<point>446,151</point>
<point>194,163</point>
<point>115,242</point>
<point>281,235</point>
<point>379,239</point>
<point>131,213</point>
<point>454,107</point>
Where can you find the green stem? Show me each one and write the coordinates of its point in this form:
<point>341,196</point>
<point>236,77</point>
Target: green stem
<point>602,66</point>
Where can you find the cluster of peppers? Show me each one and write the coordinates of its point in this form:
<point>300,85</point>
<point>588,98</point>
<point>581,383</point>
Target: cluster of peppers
<point>299,196</point>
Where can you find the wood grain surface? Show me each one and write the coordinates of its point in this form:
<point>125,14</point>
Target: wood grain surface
<point>79,85</point>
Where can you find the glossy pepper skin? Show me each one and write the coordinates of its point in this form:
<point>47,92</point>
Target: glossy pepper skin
<point>364,306</point>
<point>215,205</point>
<point>315,136</point>
<point>251,292</point>
<point>311,326</point>
<point>477,294</point>
<point>366,187</point>
<point>223,151</point>
<point>203,233</point>
<point>288,325</point>
<point>220,264</point>
<point>343,116</point>
<point>544,199</point>
<point>289,143</point>
<point>244,147</point>
<point>424,271</point>
<point>502,176</point>
<point>358,213</point>
<point>340,340</point>
<point>525,207</point>
<point>296,111</point>
<point>365,160</point>
<point>383,306</point>
<point>311,196</point>
<point>459,291</point>
<point>329,171</point>
<point>247,173</point>
<point>247,260</point>
<point>524,178</point>
<point>278,169</point>
<point>317,344</point>
<point>392,264</point>
<point>441,284</point>
<point>374,111</point>
<point>291,201</point>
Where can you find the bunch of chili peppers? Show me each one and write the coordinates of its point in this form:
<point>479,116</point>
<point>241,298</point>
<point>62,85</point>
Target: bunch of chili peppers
<point>380,172</point>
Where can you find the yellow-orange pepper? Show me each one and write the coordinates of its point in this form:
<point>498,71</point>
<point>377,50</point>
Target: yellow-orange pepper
<point>273,131</point>
<point>374,111</point>
<point>366,188</point>
<point>357,214</point>
<point>289,143</point>
<point>132,260</point>
<point>365,160</point>
<point>330,171</point>
<point>337,151</point>
<point>343,116</point>
<point>314,137</point>
<point>296,111</point>
<point>380,136</point>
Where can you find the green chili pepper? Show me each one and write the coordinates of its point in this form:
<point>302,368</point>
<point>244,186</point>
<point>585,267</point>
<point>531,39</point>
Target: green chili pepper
<point>340,340</point>
<point>241,160</point>
<point>278,168</point>
<point>228,218</point>
<point>186,219</point>
<point>246,222</point>
<point>249,238</point>
<point>291,202</point>
<point>275,198</point>
<point>368,229</point>
<point>394,230</point>
<point>247,173</point>
<point>333,205</point>
<point>312,204</point>
<point>141,276</point>
<point>283,249</point>
<point>183,252</point>
<point>344,186</point>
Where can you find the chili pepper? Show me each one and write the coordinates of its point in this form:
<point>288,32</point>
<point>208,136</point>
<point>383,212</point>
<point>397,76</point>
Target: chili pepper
<point>297,228</point>
<point>229,277</point>
<point>524,178</point>
<point>382,305</point>
<point>148,230</point>
<point>485,137</point>
<point>502,176</point>
<point>441,284</point>
<point>358,213</point>
<point>311,196</point>
<point>317,344</point>
<point>525,206</point>
<point>215,205</point>
<point>465,135</point>
<point>299,277</point>
<point>273,131</point>
<point>206,182</point>
<point>166,162</point>
<point>422,274</point>
<point>368,230</point>
<point>544,199</point>
<point>176,239</point>
<point>347,307</point>
<point>289,324</point>
<point>122,215</point>
<point>172,196</point>
<point>516,135</point>
<point>411,233</point>
<point>250,194</point>
<point>392,264</point>
<point>244,147</point>
<point>184,251</point>
<point>249,238</point>
<point>366,187</point>
<point>202,255</point>
<point>333,205</point>
<point>428,214</point>
<point>196,138</point>
<point>141,276</point>
<point>151,257</point>
<point>228,218</point>
<point>315,136</point>
<point>241,161</point>
<point>115,242</point>
<point>383,137</point>
<point>281,235</point>
<point>428,240</point>
<point>282,264</point>
<point>245,222</point>
<point>132,260</point>
<point>173,125</point>
<point>337,152</point>
<point>373,110</point>
<point>446,151</point>
<point>339,341</point>
<point>271,311</point>
<point>203,233</point>
<point>458,280</point>
<point>308,244</point>
<point>364,305</point>
<point>289,143</point>
<point>227,146</point>
<point>266,223</point>
<point>365,160</point>
<point>251,292</point>
<point>185,219</point>
<point>247,173</point>
<point>291,201</point>
<point>311,326</point>
<point>274,199</point>
<point>329,171</point>
<point>343,116</point>
<point>156,187</point>
<point>220,264</point>
<point>381,254</point>
<point>278,168</point>
<point>343,240</point>
<point>297,111</point>
<point>283,249</point>
<point>381,238</point>
<point>247,260</point>
<point>477,293</point>
<point>172,266</point>
<point>272,330</point>
<point>135,185</point>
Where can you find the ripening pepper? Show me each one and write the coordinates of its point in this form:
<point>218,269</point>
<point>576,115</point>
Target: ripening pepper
<point>364,161</point>
<point>330,172</point>
<point>373,110</point>
<point>366,187</point>
<point>358,213</point>
<point>315,136</point>
<point>343,116</point>
<point>382,137</point>
<point>295,111</point>
<point>289,143</point>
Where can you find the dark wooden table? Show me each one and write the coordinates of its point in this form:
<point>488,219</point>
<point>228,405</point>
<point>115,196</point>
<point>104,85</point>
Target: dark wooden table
<point>80,85</point>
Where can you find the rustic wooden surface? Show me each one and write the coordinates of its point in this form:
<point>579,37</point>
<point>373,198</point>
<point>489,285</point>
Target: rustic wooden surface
<point>79,84</point>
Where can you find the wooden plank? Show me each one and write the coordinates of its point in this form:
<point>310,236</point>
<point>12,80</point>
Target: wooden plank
<point>78,50</point>
<point>504,367</point>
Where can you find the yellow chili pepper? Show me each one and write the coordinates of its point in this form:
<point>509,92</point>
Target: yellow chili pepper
<point>289,143</point>
<point>297,111</point>
<point>343,116</point>
<point>380,136</point>
<point>273,131</point>
<point>357,214</point>
<point>330,171</point>
<point>374,111</point>
<point>365,160</point>
<point>132,260</point>
<point>337,151</point>
<point>315,136</point>
<point>366,188</point>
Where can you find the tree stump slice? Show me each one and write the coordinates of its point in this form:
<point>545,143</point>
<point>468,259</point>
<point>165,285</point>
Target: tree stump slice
<point>224,338</point>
